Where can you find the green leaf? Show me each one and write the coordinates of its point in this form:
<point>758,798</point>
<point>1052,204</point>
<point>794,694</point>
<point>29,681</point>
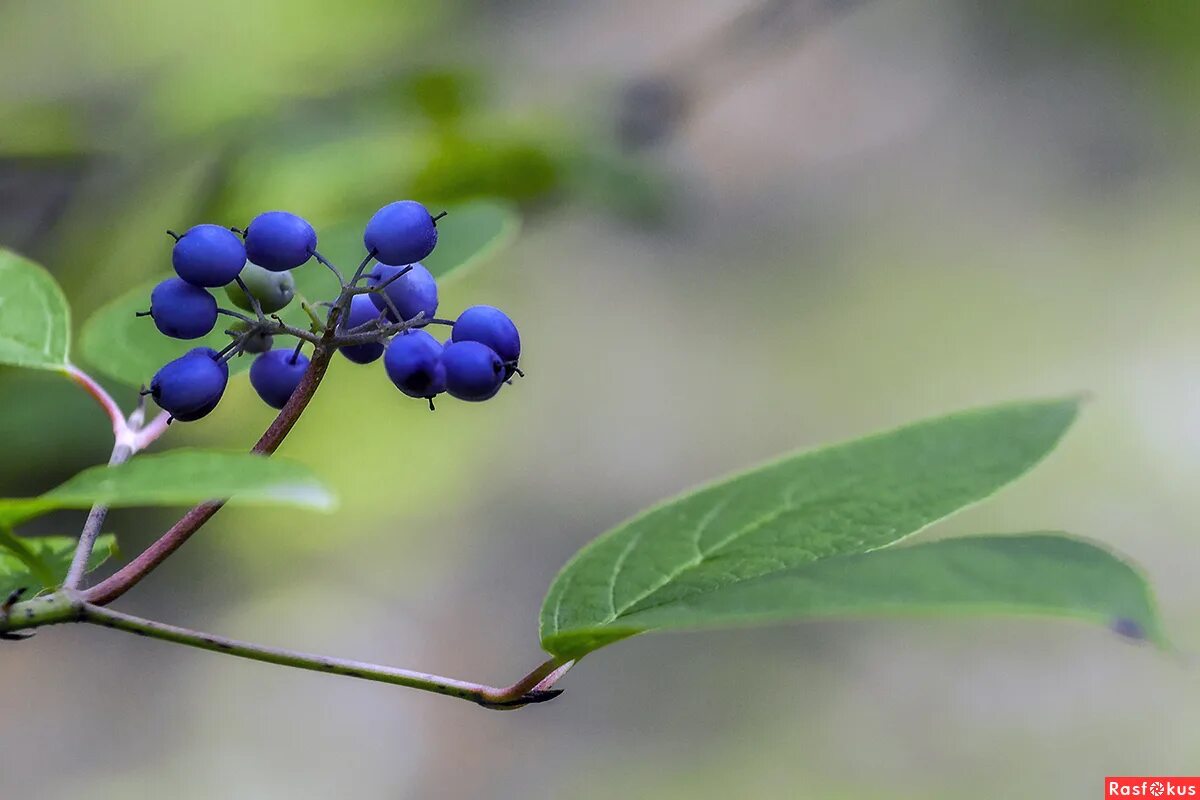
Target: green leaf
<point>35,320</point>
<point>1040,574</point>
<point>180,477</point>
<point>130,349</point>
<point>55,552</point>
<point>844,499</point>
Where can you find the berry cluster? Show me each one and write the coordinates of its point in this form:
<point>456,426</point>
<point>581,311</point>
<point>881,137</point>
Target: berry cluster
<point>380,313</point>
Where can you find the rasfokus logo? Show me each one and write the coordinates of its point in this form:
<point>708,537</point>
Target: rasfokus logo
<point>1151,786</point>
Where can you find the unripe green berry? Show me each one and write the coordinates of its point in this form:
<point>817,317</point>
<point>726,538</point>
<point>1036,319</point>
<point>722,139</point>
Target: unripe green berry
<point>273,290</point>
<point>257,342</point>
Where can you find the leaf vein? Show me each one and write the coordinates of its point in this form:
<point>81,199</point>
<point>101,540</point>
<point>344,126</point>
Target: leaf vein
<point>705,521</point>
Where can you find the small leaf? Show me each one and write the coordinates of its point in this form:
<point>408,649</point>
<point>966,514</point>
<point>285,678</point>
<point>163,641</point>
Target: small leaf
<point>56,553</point>
<point>1036,574</point>
<point>180,477</point>
<point>35,320</point>
<point>17,548</point>
<point>849,498</point>
<point>130,349</point>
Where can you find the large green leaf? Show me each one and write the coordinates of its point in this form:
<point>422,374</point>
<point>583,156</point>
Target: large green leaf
<point>1029,574</point>
<point>53,556</point>
<point>180,477</point>
<point>849,498</point>
<point>130,349</point>
<point>35,320</point>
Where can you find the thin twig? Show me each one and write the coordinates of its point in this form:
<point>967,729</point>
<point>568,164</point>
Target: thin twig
<point>379,287</point>
<point>336,273</point>
<point>91,527</point>
<point>231,313</point>
<point>254,304</point>
<point>129,437</point>
<point>281,327</point>
<point>523,692</point>
<point>155,428</point>
<point>358,273</point>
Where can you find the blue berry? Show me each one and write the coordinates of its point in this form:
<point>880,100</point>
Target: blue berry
<point>276,374</point>
<point>254,339</point>
<point>189,387</point>
<point>413,293</point>
<point>208,255</point>
<point>181,310</point>
<point>279,240</point>
<point>272,290</point>
<point>362,311</point>
<point>490,326</point>
<point>473,371</point>
<point>414,363</point>
<point>401,233</point>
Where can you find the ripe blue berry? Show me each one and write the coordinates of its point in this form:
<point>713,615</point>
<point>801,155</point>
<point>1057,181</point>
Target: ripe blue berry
<point>413,293</point>
<point>181,310</point>
<point>272,290</point>
<point>490,326</point>
<point>414,363</point>
<point>401,233</point>
<point>473,371</point>
<point>279,240</point>
<point>362,311</point>
<point>208,255</point>
<point>189,387</point>
<point>276,374</point>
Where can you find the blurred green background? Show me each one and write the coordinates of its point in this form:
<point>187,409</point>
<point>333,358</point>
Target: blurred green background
<point>748,227</point>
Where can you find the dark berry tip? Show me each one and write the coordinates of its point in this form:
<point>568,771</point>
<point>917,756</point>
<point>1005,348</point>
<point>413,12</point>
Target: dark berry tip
<point>1128,628</point>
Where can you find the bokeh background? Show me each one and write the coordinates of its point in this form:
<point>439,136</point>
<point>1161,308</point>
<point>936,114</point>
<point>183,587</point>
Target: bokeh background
<point>748,227</point>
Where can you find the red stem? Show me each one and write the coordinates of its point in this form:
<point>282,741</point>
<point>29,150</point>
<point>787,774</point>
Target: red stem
<point>115,415</point>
